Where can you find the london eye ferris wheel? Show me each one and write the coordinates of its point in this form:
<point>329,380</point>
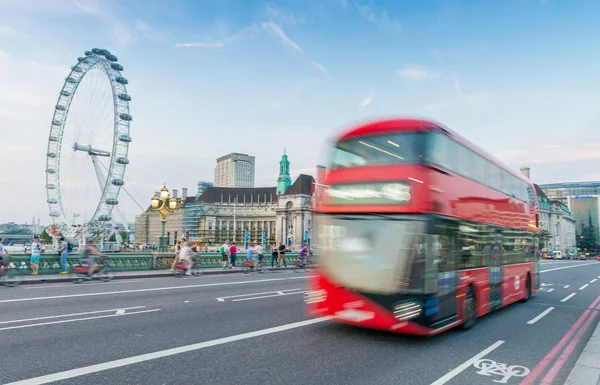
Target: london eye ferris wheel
<point>88,147</point>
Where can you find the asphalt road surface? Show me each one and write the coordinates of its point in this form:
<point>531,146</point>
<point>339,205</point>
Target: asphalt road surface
<point>252,329</point>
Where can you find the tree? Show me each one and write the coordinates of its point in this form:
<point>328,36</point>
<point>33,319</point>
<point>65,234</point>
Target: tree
<point>123,234</point>
<point>544,238</point>
<point>45,237</point>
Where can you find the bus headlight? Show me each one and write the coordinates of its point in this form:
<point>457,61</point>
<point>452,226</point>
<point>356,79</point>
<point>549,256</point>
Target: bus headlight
<point>407,310</point>
<point>315,296</point>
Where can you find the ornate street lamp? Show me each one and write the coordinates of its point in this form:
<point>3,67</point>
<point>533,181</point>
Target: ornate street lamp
<point>164,206</point>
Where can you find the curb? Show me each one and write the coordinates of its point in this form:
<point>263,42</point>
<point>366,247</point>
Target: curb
<point>53,278</point>
<point>587,368</point>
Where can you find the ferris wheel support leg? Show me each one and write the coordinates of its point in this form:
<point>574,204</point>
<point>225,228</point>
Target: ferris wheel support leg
<point>101,179</point>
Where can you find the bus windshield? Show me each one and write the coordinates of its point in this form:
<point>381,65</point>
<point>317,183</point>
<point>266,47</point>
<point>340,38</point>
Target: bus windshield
<point>366,253</point>
<point>405,147</point>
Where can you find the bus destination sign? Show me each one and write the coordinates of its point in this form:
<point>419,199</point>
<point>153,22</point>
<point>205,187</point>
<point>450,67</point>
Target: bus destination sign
<point>369,194</point>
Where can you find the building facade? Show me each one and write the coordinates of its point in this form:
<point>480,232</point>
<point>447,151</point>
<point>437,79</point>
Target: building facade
<point>240,215</point>
<point>235,170</point>
<point>582,200</point>
<point>557,224</point>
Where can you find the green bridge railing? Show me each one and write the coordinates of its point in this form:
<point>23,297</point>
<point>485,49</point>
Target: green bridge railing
<point>50,263</point>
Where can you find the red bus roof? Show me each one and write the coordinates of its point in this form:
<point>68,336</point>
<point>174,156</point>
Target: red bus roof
<point>414,124</point>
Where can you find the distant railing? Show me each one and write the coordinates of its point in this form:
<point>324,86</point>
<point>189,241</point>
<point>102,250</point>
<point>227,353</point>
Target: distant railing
<point>131,261</point>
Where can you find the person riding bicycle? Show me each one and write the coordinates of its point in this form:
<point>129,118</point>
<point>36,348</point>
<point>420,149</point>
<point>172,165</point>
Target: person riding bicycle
<point>185,256</point>
<point>87,258</point>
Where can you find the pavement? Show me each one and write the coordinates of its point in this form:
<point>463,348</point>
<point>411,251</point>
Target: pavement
<point>247,329</point>
<point>49,278</point>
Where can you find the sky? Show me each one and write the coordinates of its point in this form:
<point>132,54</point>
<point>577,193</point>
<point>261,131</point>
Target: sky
<point>208,77</point>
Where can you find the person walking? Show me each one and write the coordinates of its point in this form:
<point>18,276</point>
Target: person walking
<point>3,252</point>
<point>63,250</point>
<point>258,250</point>
<point>281,251</point>
<point>224,255</point>
<point>232,255</point>
<point>36,252</point>
<point>274,255</point>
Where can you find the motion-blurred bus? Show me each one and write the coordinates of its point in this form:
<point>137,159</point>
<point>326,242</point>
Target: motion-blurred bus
<point>420,231</point>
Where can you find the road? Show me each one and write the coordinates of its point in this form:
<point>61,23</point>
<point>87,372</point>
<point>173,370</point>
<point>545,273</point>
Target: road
<point>235,329</point>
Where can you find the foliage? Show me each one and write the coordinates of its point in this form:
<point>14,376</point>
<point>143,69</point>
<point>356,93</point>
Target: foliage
<point>45,237</point>
<point>544,238</point>
<point>123,234</point>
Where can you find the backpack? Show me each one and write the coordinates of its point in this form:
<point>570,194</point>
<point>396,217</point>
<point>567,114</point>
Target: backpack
<point>69,247</point>
<point>222,249</point>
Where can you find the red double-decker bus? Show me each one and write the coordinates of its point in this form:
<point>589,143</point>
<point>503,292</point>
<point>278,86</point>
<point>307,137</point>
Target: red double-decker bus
<point>419,231</point>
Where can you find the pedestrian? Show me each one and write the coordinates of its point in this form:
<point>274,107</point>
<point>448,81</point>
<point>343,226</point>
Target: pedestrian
<point>258,250</point>
<point>250,256</point>
<point>281,255</point>
<point>36,251</point>
<point>177,251</point>
<point>274,255</point>
<point>3,252</point>
<point>224,255</point>
<point>232,255</point>
<point>64,254</point>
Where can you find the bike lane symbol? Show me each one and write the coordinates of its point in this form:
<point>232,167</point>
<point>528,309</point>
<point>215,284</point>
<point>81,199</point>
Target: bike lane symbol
<point>489,367</point>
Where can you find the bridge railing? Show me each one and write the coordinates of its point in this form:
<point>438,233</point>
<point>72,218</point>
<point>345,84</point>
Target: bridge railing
<point>50,263</point>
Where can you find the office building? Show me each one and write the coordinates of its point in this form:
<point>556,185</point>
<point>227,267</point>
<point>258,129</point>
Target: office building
<point>235,170</point>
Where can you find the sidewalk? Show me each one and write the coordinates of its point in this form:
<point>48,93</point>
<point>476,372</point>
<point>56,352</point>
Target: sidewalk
<point>587,367</point>
<point>47,278</point>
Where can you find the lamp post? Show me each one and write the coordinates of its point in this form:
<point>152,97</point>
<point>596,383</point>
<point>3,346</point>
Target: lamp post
<point>164,206</point>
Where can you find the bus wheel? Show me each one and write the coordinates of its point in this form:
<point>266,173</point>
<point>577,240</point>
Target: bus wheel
<point>470,309</point>
<point>527,290</point>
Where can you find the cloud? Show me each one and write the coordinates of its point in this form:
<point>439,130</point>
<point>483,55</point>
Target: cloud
<point>478,98</point>
<point>89,7</point>
<point>344,3</point>
<point>414,72</point>
<point>245,32</point>
<point>474,99</point>
<point>7,30</point>
<point>437,57</point>
<point>382,19</point>
<point>367,98</point>
<point>319,66</point>
<point>276,13</point>
<point>276,30</point>
<point>434,108</point>
<point>548,154</point>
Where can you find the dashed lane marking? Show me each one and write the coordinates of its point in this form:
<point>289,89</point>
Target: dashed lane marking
<point>539,317</point>
<point>568,297</point>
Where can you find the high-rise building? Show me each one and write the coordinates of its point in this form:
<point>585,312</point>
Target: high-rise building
<point>235,170</point>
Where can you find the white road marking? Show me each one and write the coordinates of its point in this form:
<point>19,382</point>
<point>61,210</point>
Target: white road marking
<point>539,317</point>
<point>77,319</point>
<point>567,286</point>
<point>280,292</point>
<point>221,299</point>
<point>120,312</point>
<point>584,286</point>
<point>459,369</point>
<point>549,290</point>
<point>69,315</point>
<point>266,296</point>
<point>568,297</point>
<point>566,267</point>
<point>70,284</point>
<point>73,373</point>
<point>593,280</point>
<point>147,290</point>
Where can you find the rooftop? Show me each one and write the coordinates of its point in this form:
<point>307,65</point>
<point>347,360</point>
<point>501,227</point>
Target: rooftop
<point>570,184</point>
